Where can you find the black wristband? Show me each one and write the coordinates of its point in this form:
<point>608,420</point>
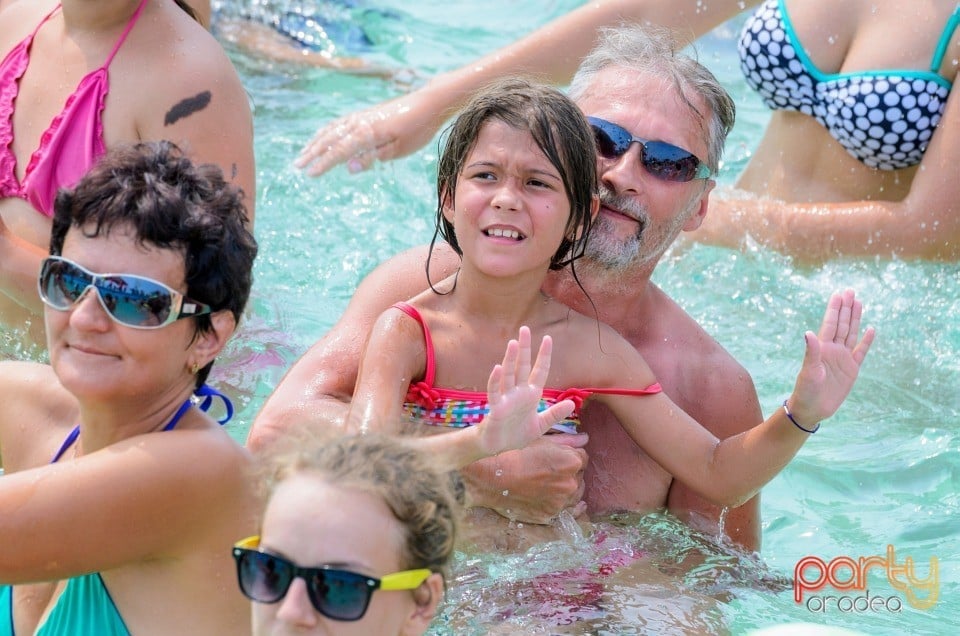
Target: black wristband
<point>790,417</point>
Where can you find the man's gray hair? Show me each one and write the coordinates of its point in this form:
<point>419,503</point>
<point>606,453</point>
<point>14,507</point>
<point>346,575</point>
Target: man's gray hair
<point>657,51</point>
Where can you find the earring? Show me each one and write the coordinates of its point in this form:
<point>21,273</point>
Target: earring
<point>194,368</point>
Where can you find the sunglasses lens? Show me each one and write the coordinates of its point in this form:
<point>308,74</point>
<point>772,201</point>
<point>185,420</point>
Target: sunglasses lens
<point>130,300</point>
<point>664,161</point>
<point>263,577</point>
<point>607,144</point>
<point>668,162</point>
<point>136,301</point>
<point>336,594</point>
<point>62,283</point>
<point>340,595</point>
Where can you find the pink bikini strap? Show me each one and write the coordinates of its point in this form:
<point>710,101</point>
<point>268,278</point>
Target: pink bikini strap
<point>126,31</point>
<point>411,311</point>
<point>44,21</point>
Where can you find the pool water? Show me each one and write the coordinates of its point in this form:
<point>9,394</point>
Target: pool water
<point>884,471</point>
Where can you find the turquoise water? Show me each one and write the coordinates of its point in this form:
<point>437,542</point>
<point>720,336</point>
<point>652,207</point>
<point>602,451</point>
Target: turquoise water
<point>885,470</point>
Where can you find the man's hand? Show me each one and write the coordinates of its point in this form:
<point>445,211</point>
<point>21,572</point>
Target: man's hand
<point>532,485</point>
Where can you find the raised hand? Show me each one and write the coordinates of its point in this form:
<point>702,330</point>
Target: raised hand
<point>832,360</point>
<point>385,131</point>
<point>513,393</point>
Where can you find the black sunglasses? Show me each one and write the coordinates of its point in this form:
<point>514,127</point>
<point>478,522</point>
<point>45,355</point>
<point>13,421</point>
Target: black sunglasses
<point>134,301</point>
<point>662,160</point>
<point>340,595</point>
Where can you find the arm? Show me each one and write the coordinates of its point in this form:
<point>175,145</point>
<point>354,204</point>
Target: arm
<point>925,224</point>
<point>19,266</point>
<point>266,43</point>
<point>393,355</point>
<point>316,391</point>
<point>203,108</point>
<point>400,126</point>
<point>730,471</point>
<point>151,497</point>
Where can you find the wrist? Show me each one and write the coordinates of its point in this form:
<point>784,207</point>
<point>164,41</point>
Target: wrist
<point>480,482</point>
<point>807,426</point>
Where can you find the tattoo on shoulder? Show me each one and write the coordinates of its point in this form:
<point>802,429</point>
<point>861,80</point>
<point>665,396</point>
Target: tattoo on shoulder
<point>187,107</point>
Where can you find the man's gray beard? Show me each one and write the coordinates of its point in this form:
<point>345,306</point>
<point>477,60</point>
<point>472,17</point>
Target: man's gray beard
<point>604,249</point>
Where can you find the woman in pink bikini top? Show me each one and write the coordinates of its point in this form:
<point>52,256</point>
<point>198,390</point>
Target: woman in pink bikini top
<point>92,79</point>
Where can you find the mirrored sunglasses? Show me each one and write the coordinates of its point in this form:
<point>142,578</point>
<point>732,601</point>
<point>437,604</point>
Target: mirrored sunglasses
<point>340,595</point>
<point>133,301</point>
<point>662,160</point>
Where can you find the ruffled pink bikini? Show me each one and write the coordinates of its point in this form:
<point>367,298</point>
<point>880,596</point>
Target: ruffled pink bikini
<point>73,141</point>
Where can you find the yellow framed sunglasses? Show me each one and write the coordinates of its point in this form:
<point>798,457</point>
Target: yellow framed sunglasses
<point>338,594</point>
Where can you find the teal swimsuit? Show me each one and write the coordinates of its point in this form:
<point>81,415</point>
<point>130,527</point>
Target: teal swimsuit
<point>85,606</point>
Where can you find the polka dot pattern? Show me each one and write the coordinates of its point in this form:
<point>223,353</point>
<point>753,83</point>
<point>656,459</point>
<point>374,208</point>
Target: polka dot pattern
<point>884,119</point>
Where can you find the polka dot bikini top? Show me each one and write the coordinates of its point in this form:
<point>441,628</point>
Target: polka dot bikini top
<point>883,118</point>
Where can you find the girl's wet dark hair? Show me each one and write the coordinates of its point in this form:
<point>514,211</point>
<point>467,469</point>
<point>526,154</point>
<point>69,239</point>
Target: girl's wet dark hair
<point>168,202</point>
<point>558,128</point>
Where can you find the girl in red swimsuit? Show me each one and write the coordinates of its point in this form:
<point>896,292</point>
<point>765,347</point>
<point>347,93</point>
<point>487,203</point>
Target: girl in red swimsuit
<point>516,185</point>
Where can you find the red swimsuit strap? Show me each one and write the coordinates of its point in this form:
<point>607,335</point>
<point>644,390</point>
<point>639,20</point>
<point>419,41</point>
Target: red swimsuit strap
<point>411,311</point>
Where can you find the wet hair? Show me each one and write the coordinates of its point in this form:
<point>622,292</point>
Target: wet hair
<point>168,202</point>
<point>427,503</point>
<point>187,9</point>
<point>560,131</point>
<point>657,51</point>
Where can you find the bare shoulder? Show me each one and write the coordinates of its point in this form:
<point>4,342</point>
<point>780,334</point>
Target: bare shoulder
<point>225,462</point>
<point>30,387</point>
<point>202,473</point>
<point>30,393</point>
<point>186,41</point>
<point>175,57</point>
<point>18,18</point>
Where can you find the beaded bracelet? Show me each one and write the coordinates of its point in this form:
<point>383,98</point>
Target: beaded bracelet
<point>790,417</point>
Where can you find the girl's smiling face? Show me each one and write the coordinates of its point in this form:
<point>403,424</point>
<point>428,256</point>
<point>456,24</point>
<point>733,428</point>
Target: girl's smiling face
<point>510,209</point>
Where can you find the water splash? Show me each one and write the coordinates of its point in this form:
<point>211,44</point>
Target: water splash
<point>722,522</point>
<point>607,577</point>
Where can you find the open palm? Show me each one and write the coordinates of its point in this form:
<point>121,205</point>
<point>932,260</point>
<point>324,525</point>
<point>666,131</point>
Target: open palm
<point>832,360</point>
<point>514,390</point>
